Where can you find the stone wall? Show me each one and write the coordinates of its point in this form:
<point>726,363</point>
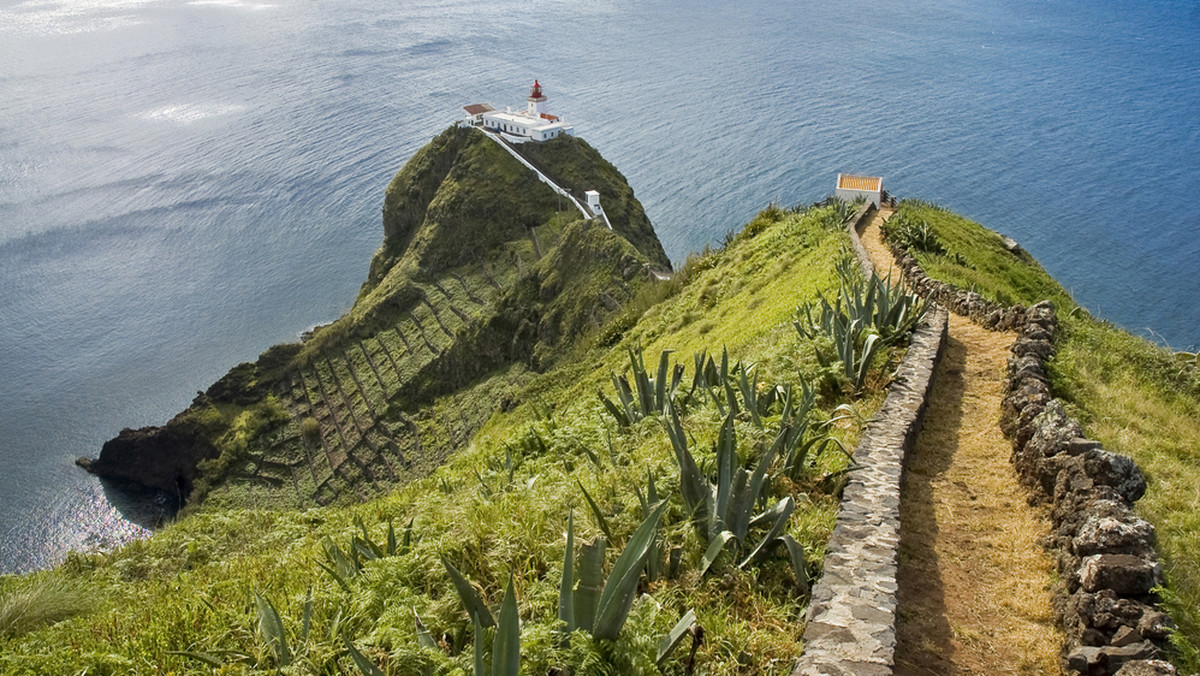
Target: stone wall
<point>857,222</point>
<point>1104,552</point>
<point>852,616</point>
<point>990,315</point>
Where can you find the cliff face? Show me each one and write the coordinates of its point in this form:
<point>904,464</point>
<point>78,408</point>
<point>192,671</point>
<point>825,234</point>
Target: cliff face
<point>481,282</point>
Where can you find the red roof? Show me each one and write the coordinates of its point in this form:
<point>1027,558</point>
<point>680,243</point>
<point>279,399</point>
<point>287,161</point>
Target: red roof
<point>478,108</point>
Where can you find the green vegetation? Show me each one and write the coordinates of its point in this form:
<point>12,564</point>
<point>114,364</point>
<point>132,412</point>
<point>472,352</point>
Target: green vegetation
<point>342,587</point>
<point>458,398</point>
<point>577,167</point>
<point>484,280</point>
<point>41,600</point>
<point>1136,397</point>
<point>865,316</point>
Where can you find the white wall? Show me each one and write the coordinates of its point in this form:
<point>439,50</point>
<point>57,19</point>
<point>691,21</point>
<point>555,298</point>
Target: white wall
<point>875,197</point>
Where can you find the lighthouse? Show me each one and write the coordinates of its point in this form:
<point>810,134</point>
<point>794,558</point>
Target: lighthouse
<point>537,100</point>
<point>516,125</point>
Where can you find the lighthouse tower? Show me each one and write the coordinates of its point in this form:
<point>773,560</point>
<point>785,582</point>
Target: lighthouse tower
<point>537,100</point>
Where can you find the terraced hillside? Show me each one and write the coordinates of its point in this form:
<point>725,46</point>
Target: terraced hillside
<point>479,283</point>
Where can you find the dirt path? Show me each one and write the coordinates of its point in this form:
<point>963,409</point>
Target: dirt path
<point>974,581</point>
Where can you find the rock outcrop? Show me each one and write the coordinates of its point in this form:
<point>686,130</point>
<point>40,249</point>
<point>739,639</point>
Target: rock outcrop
<point>482,271</point>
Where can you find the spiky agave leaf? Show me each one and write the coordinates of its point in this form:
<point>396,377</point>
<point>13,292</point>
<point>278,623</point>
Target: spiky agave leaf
<point>474,604</point>
<point>603,522</point>
<point>727,461</point>
<point>424,638</point>
<point>660,380</point>
<point>506,646</point>
<point>868,354</point>
<point>306,618</point>
<point>799,563</point>
<point>566,595</point>
<point>270,627</point>
<point>480,649</point>
<point>591,583</point>
<point>692,482</point>
<point>365,666</point>
<point>673,638</point>
<point>373,551</point>
<point>715,547</point>
<point>777,517</point>
<point>619,590</point>
<point>742,507</point>
<point>345,563</point>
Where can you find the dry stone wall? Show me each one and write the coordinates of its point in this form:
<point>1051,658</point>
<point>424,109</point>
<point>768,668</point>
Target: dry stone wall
<point>851,626</point>
<point>1105,553</point>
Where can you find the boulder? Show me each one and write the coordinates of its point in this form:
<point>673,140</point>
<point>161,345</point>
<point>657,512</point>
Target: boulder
<point>1108,659</point>
<point>1028,347</point>
<point>1055,430</point>
<point>1123,574</point>
<point>1095,467</point>
<point>1111,534</point>
<point>1155,625</point>
<point>1125,636</point>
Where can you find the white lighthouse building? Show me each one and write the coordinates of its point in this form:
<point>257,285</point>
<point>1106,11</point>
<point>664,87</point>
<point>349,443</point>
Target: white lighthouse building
<point>518,126</point>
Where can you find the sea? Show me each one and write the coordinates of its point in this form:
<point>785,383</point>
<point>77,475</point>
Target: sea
<point>184,183</point>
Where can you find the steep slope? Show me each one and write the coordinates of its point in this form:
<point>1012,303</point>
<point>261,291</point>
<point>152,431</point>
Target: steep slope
<point>480,282</point>
<point>188,597</point>
<point>578,167</point>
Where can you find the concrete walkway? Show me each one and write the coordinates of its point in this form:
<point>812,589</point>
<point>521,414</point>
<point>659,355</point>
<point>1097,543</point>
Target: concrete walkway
<point>974,582</point>
<point>549,181</point>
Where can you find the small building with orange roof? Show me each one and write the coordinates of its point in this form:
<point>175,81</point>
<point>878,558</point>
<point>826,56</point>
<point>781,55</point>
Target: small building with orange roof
<point>851,186</point>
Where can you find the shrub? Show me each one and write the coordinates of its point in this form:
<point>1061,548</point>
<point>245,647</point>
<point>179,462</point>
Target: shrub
<point>41,601</point>
<point>310,428</point>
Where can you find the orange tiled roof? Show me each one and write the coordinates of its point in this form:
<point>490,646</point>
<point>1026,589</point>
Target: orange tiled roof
<point>850,182</point>
<point>478,108</point>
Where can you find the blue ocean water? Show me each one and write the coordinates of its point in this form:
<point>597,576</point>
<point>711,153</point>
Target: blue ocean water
<point>183,184</point>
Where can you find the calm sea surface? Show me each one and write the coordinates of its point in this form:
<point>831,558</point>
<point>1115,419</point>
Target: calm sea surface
<point>185,183</point>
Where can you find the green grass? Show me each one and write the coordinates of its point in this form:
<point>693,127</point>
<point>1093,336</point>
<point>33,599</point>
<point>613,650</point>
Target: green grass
<point>40,600</point>
<point>1130,394</point>
<point>192,586</point>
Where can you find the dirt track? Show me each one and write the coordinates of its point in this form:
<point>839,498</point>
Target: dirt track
<point>974,581</point>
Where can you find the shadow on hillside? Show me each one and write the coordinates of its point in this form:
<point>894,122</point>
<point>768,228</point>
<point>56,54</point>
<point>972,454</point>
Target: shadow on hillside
<point>149,508</point>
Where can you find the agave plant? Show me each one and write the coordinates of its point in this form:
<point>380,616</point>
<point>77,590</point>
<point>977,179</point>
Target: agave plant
<point>913,235</point>
<point>506,643</point>
<point>799,436</point>
<point>586,600</point>
<point>864,316</point>
<point>648,395</point>
<point>600,607</point>
<point>723,510</point>
<point>344,565</point>
<point>722,384</point>
<point>843,211</point>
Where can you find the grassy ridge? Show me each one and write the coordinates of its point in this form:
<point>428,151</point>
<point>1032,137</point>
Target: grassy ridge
<point>1128,393</point>
<point>497,508</point>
